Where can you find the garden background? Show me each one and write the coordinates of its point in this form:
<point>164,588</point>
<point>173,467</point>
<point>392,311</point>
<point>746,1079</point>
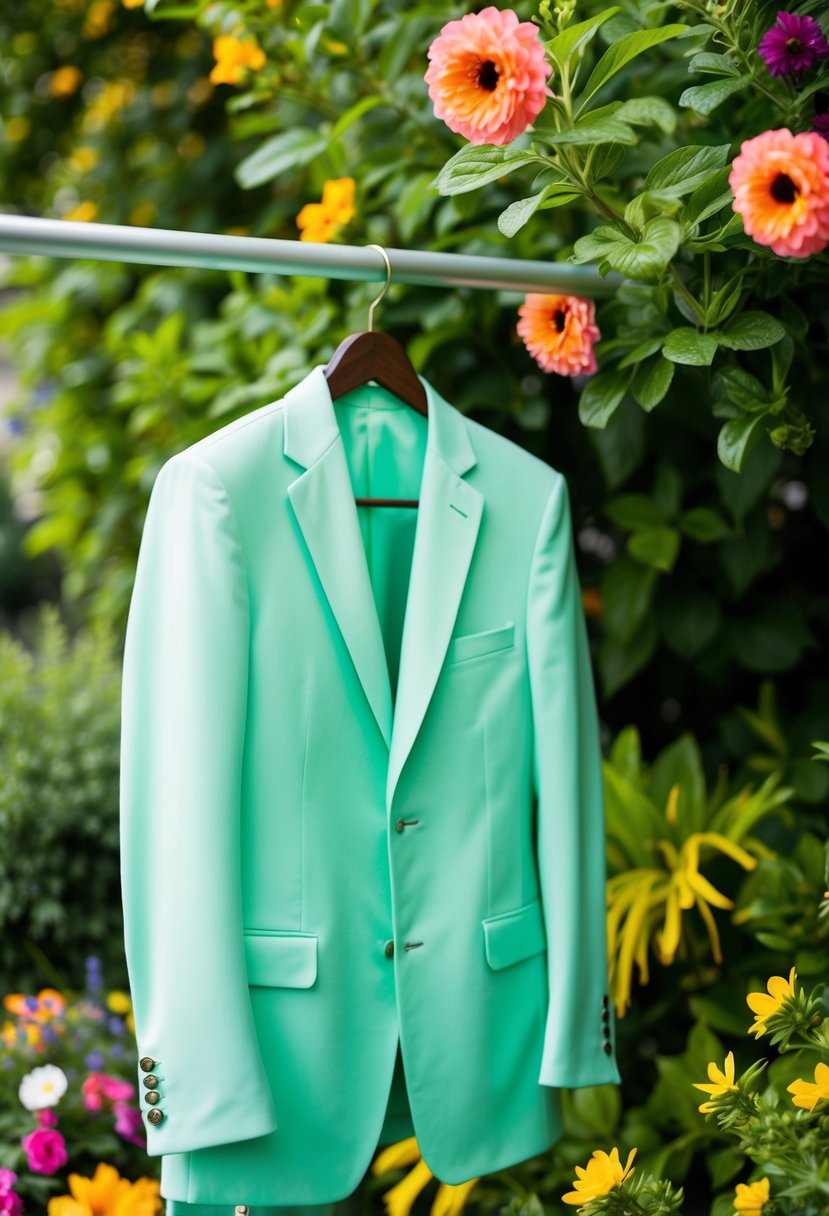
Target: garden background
<point>696,457</point>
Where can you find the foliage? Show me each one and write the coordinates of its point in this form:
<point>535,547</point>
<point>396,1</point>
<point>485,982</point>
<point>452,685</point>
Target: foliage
<point>59,876</point>
<point>85,1037</point>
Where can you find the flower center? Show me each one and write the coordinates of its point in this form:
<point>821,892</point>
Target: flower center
<point>794,44</point>
<point>783,189</point>
<point>559,317</point>
<point>488,75</point>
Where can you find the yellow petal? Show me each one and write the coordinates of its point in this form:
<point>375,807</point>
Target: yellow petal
<point>403,1152</point>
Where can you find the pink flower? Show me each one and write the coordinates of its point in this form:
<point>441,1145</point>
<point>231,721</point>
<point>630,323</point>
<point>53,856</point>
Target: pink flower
<point>781,189</point>
<point>98,1088</point>
<point>45,1150</point>
<point>487,75</point>
<point>128,1123</point>
<point>46,1117</point>
<point>559,332</point>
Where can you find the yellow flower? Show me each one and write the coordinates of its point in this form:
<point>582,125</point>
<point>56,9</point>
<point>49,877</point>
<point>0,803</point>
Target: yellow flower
<point>17,128</point>
<point>107,1194</point>
<point>750,1197</point>
<point>65,80</point>
<point>85,212</point>
<point>319,221</point>
<point>723,1082</point>
<point>115,95</point>
<point>449,1200</point>
<point>84,158</point>
<point>764,1006</point>
<point>602,1173</point>
<point>232,56</point>
<point>132,3</point>
<point>98,19</point>
<point>807,1093</point>
<point>642,897</point>
<point>119,1002</point>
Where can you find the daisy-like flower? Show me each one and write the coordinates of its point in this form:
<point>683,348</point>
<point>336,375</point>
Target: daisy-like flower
<point>43,1086</point>
<point>450,1197</point>
<point>749,1197</point>
<point>559,332</point>
<point>602,1173</point>
<point>808,1093</point>
<point>781,189</point>
<point>233,56</point>
<point>794,44</point>
<point>487,75</point>
<point>722,1083</point>
<point>106,1193</point>
<point>764,1006</point>
<point>320,221</point>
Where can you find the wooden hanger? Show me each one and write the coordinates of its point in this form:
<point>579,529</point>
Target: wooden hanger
<point>376,356</point>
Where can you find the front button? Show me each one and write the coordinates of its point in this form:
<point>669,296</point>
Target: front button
<point>608,1048</point>
<point>146,1063</point>
<point>241,1209</point>
<point>388,949</point>
<point>401,825</point>
<point>151,1080</point>
<point>155,1115</point>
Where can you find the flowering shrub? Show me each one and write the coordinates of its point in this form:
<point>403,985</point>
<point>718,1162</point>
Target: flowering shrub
<point>68,1104</point>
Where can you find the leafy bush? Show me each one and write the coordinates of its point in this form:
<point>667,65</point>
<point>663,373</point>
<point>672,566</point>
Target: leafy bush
<point>59,744</point>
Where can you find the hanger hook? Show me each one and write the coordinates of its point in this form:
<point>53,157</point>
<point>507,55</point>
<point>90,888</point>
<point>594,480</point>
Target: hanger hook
<point>374,303</point>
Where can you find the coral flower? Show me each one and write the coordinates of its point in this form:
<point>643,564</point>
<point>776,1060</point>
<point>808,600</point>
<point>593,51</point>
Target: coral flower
<point>781,189</point>
<point>232,56</point>
<point>722,1083</point>
<point>765,1006</point>
<point>487,75</point>
<point>559,332</point>
<point>793,44</point>
<point>808,1093</point>
<point>749,1197</point>
<point>603,1173</point>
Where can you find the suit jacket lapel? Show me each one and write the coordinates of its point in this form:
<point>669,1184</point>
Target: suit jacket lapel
<point>447,527</point>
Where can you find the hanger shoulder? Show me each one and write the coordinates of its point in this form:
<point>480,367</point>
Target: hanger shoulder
<point>375,356</point>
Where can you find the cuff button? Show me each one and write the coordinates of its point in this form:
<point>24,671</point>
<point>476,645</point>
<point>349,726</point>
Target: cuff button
<point>155,1115</point>
<point>608,1048</point>
<point>241,1209</point>
<point>152,1096</point>
<point>151,1080</point>
<point>146,1063</point>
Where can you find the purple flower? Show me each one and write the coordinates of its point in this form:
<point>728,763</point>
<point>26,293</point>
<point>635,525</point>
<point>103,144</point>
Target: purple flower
<point>793,44</point>
<point>94,975</point>
<point>820,123</point>
<point>45,1150</point>
<point>128,1123</point>
<point>94,1060</point>
<point>116,1025</point>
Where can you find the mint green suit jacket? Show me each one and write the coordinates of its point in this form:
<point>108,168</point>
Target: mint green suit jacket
<point>361,803</point>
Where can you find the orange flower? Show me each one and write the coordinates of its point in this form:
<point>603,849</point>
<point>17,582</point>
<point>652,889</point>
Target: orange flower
<point>487,75</point>
<point>232,56</point>
<point>319,221</point>
<point>781,189</point>
<point>559,332</point>
<point>65,80</point>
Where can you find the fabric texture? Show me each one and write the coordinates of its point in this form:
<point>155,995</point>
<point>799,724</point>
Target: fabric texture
<point>362,821</point>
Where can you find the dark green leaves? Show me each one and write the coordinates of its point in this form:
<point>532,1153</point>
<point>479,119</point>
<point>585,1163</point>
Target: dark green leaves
<point>477,165</point>
<point>621,53</point>
<point>642,258</point>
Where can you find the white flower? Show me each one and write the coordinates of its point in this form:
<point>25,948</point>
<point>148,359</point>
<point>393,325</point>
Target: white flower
<point>44,1086</point>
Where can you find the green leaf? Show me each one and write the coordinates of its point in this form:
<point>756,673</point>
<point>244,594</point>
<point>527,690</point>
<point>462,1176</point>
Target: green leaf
<point>642,350</point>
<point>707,61</point>
<point>708,198</point>
<point>724,301</point>
<point>477,165</point>
<point>687,345</point>
<point>517,214</point>
<point>627,593</point>
<point>737,438</point>
<point>649,111</point>
<point>644,259</point>
<point>353,113</point>
<point>601,396</point>
<point>704,525</point>
<point>706,97</point>
<point>684,169</point>
<point>651,382</point>
<point>751,331</point>
<point>657,547</point>
<point>634,512</point>
<point>621,53</point>
<point>600,126</point>
<point>571,40</point>
<point>281,154</point>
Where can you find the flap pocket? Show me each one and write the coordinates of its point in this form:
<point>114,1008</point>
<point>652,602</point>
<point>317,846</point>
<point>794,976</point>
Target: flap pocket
<point>281,958</point>
<point>470,645</point>
<point>512,936</point>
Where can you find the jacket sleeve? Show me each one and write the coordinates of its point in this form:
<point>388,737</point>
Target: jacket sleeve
<point>579,1038</point>
<point>183,702</point>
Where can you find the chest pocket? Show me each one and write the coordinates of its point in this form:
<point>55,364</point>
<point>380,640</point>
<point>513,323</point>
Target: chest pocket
<point>475,645</point>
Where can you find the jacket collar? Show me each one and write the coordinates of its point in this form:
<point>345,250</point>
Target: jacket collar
<point>448,520</point>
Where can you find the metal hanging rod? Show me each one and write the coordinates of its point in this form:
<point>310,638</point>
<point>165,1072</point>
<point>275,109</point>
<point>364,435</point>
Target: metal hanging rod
<point>168,247</point>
